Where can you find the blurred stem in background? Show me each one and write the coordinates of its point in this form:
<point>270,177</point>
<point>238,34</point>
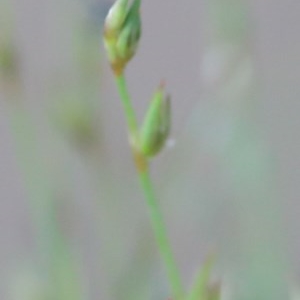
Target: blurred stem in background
<point>247,162</point>
<point>55,263</point>
<point>56,259</point>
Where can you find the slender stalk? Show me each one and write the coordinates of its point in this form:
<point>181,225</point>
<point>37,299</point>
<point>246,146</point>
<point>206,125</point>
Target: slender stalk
<point>156,217</point>
<point>127,105</point>
<point>161,235</point>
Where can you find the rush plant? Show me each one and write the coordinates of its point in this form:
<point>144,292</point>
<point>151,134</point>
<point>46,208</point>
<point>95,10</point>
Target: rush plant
<point>122,32</point>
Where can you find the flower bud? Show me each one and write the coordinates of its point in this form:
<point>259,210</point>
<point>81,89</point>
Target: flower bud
<point>122,32</point>
<point>128,39</point>
<point>115,17</point>
<point>156,127</point>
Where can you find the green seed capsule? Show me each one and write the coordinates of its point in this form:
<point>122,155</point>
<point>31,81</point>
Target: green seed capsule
<point>156,126</point>
<point>122,32</point>
<point>116,17</point>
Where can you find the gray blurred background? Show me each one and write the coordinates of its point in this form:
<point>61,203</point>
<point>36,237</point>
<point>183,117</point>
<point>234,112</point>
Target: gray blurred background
<point>73,223</point>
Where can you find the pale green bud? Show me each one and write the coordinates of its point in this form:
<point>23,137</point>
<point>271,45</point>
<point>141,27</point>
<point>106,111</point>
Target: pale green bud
<point>116,17</point>
<point>111,50</point>
<point>131,33</point>
<point>156,127</point>
<point>122,32</point>
<point>127,42</point>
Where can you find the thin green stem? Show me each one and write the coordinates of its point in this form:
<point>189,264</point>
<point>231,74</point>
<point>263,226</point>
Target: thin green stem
<point>161,236</point>
<point>147,186</point>
<point>127,105</point>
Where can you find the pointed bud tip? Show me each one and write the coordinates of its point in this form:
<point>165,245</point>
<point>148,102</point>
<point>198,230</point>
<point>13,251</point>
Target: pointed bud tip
<point>115,17</point>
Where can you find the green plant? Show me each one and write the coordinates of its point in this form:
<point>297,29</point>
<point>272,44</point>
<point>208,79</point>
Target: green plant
<point>122,31</point>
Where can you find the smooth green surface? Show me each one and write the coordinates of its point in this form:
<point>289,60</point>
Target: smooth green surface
<point>156,126</point>
<point>161,236</point>
<point>127,106</point>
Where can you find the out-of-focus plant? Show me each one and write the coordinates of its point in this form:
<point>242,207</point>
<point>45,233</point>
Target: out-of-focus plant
<point>54,274</point>
<point>8,55</point>
<point>227,127</point>
<point>75,119</point>
<point>7,60</point>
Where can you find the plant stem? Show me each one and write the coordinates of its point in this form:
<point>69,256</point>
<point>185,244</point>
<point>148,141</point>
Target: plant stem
<point>127,105</point>
<point>161,236</point>
<point>156,217</point>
